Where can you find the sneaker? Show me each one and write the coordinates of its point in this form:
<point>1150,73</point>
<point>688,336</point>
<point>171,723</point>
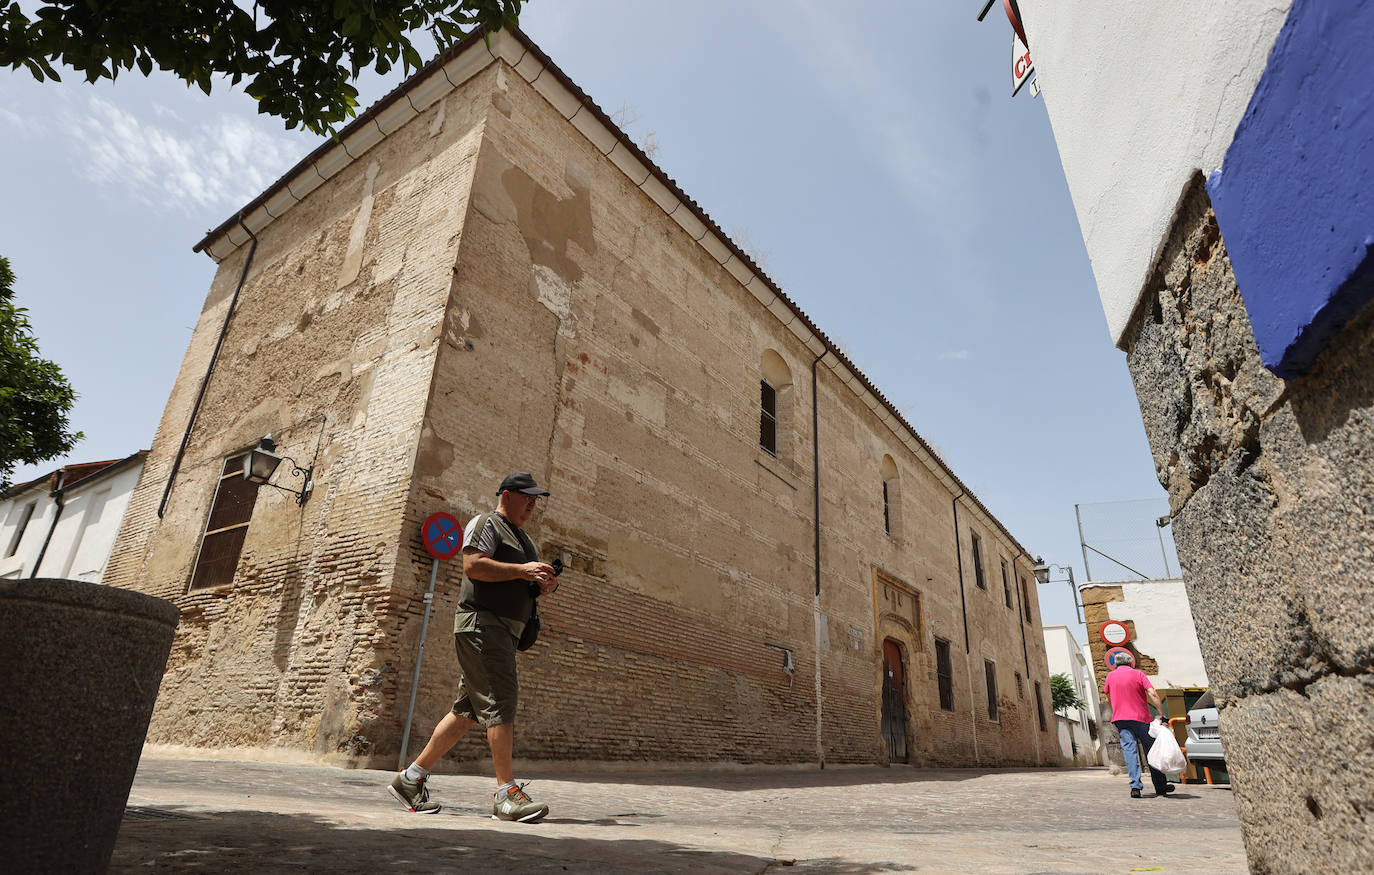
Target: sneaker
<point>1168,788</point>
<point>1135,792</point>
<point>515,804</point>
<point>413,795</point>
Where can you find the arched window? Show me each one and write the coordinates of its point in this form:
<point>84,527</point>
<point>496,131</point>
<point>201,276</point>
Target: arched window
<point>892,492</point>
<point>775,405</point>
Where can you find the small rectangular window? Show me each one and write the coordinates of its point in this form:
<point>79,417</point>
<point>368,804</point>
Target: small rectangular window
<point>1006,585</point>
<point>225,528</point>
<point>25,516</point>
<point>990,676</point>
<point>768,418</point>
<point>1039,706</point>
<point>1020,686</point>
<point>978,575</point>
<point>944,674</point>
<point>1025,599</point>
<point>887,511</point>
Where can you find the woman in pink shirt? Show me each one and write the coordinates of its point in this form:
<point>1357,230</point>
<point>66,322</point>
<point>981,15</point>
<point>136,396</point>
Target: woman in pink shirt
<point>1127,688</point>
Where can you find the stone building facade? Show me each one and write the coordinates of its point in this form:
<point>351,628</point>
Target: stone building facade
<point>1219,159</point>
<point>483,276</point>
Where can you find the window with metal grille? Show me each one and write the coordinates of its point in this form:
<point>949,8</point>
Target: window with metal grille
<point>225,528</point>
<point>978,575</point>
<point>1039,706</point>
<point>768,418</point>
<point>990,679</point>
<point>1006,585</point>
<point>1020,686</point>
<point>944,674</point>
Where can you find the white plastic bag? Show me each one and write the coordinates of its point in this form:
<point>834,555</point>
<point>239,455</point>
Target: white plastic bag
<point>1165,754</point>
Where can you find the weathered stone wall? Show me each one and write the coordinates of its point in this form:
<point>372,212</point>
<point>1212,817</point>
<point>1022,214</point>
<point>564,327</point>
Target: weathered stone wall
<point>1271,485</point>
<point>592,341</point>
<point>486,292</point>
<point>331,346</point>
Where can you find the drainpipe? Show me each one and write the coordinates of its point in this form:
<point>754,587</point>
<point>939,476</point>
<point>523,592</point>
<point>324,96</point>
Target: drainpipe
<point>58,497</point>
<point>1021,613</point>
<point>816,504</point>
<point>959,558</point>
<point>1021,621</point>
<point>963,606</point>
<point>205,381</point>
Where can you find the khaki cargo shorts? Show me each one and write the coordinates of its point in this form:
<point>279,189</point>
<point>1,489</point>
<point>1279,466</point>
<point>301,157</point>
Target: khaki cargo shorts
<point>488,690</point>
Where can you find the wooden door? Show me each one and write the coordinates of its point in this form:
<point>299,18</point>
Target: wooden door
<point>894,702</point>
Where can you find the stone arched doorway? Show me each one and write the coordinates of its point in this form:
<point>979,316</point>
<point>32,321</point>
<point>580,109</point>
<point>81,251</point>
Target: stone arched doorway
<point>904,724</point>
<point>894,702</point>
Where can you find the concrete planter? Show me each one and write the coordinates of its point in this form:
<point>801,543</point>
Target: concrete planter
<point>84,662</point>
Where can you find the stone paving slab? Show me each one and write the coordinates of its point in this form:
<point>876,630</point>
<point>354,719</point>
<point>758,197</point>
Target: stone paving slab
<point>222,816</point>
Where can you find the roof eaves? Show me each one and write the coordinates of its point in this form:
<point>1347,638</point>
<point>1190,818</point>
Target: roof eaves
<point>107,469</point>
<point>367,117</point>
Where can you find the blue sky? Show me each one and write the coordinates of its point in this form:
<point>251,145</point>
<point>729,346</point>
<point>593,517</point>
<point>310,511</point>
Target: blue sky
<point>870,153</point>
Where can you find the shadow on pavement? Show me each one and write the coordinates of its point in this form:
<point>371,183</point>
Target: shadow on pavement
<point>259,842</point>
<point>769,780</point>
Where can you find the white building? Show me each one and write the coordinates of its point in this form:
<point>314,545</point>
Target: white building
<point>1163,636</point>
<point>1079,739</point>
<point>64,523</point>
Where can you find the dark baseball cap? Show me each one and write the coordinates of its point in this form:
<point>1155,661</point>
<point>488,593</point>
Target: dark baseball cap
<point>521,481</point>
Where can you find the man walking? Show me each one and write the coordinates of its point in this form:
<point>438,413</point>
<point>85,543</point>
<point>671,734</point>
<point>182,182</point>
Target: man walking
<point>501,571</point>
<point>1127,688</point>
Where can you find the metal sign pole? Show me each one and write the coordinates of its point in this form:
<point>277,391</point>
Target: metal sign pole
<point>419,658</point>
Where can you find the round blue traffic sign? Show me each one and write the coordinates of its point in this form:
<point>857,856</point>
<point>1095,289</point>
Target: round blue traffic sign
<point>442,535</point>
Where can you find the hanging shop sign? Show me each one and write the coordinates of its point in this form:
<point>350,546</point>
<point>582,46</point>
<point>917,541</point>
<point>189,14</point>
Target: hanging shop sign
<point>1022,68</point>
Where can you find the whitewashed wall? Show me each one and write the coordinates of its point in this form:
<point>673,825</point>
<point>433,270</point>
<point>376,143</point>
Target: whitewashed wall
<point>1066,656</point>
<point>85,531</point>
<point>25,551</point>
<point>1141,95</point>
<point>1164,629</point>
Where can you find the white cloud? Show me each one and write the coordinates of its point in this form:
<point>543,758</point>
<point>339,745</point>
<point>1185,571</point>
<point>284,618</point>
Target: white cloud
<point>219,164</point>
<point>24,126</point>
<point>958,355</point>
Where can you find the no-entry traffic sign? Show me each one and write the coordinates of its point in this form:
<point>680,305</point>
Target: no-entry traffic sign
<point>1114,633</point>
<point>442,535</point>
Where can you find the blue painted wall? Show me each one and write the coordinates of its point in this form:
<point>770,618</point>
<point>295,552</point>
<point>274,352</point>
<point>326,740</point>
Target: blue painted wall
<point>1295,195</point>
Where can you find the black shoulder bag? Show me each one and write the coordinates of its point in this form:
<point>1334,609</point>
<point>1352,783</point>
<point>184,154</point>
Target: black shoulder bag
<point>531,631</point>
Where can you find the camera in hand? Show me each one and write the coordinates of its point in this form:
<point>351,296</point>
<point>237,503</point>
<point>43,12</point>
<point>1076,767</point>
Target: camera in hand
<point>557,564</point>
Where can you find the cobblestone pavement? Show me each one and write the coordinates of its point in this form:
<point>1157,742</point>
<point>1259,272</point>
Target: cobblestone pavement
<point>221,816</point>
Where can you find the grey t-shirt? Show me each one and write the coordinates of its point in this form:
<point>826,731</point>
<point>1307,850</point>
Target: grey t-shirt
<point>505,602</point>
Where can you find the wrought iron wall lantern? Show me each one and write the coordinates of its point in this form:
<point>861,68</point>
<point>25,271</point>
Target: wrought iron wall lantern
<point>262,461</point>
<point>1042,575</point>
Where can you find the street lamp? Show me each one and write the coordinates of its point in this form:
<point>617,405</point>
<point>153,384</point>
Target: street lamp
<point>262,461</point>
<point>1042,575</point>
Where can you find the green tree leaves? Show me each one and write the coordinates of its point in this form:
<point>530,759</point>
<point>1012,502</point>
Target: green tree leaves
<point>1063,695</point>
<point>34,395</point>
<point>298,58</point>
